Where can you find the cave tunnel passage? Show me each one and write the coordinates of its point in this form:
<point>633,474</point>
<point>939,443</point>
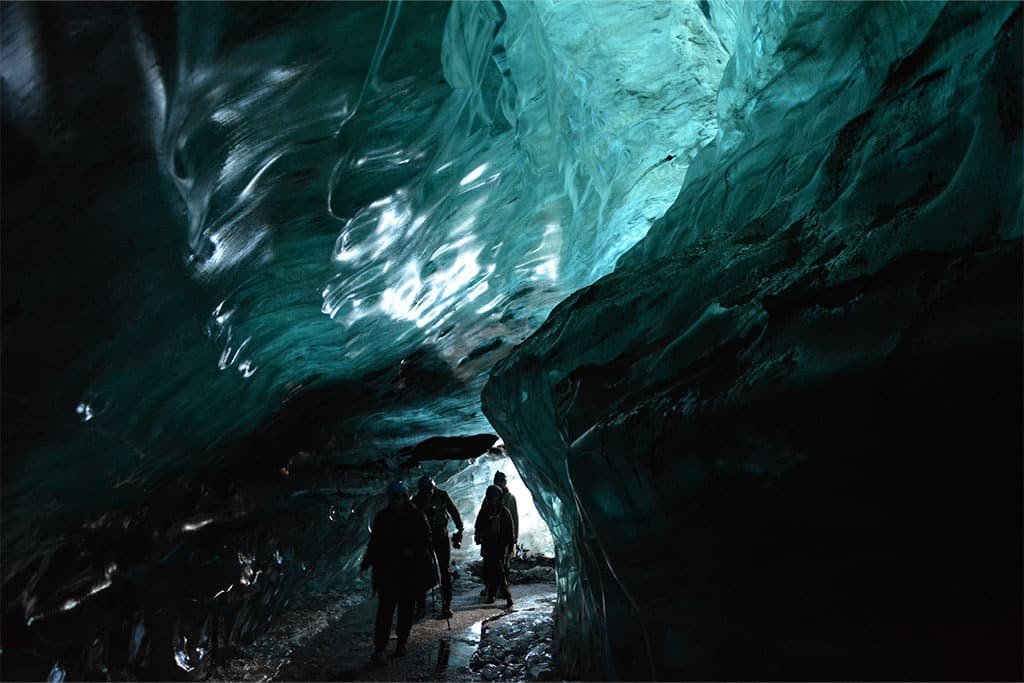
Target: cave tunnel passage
<point>736,282</point>
<point>467,487</point>
<point>329,637</point>
<point>227,570</point>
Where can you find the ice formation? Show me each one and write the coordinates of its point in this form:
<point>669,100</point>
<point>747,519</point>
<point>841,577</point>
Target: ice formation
<point>796,460</point>
<point>259,260</point>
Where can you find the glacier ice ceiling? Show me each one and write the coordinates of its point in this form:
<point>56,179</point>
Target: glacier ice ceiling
<point>739,285</point>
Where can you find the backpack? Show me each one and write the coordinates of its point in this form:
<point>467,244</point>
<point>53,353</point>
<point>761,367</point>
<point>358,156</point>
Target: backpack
<point>490,529</point>
<point>434,509</point>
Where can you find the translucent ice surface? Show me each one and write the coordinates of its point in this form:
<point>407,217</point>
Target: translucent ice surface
<point>755,434</point>
<point>254,252</point>
<point>256,255</point>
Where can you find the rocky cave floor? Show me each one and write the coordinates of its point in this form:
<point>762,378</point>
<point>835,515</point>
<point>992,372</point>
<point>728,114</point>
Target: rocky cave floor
<point>333,641</point>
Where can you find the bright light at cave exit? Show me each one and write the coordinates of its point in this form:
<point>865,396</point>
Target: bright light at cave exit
<point>467,490</point>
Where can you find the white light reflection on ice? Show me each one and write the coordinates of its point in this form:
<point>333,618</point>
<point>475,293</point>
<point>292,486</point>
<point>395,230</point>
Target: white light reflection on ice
<point>398,301</point>
<point>57,674</point>
<point>403,288</point>
<point>102,586</point>
<point>279,74</point>
<point>547,269</point>
<point>490,304</point>
<point>232,243</point>
<point>193,526</point>
<point>181,658</point>
<point>259,174</point>
<point>246,369</point>
<point>220,315</point>
<point>226,115</point>
<point>422,301</point>
<point>379,225</point>
<point>474,293</point>
<point>72,603</point>
<point>229,355</point>
<point>464,226</point>
<point>238,158</point>
<point>459,275</point>
<point>223,592</point>
<point>473,175</point>
<point>84,411</point>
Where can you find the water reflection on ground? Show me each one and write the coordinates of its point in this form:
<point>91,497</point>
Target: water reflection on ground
<point>482,641</point>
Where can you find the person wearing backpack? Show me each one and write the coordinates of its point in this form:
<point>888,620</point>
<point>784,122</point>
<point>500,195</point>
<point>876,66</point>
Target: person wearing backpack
<point>399,553</point>
<point>438,507</point>
<point>509,501</point>
<point>493,532</point>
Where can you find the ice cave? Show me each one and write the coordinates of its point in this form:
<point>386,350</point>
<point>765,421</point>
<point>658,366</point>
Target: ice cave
<point>731,290</point>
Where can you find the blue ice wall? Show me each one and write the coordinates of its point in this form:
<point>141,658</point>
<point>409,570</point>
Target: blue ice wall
<point>257,256</point>
<point>253,254</point>
<point>800,459</point>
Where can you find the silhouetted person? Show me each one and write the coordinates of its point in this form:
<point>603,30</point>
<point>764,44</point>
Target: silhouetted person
<point>438,507</point>
<point>493,533</point>
<point>509,501</point>
<point>399,552</point>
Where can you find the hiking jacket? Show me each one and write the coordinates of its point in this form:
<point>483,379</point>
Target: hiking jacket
<point>399,551</point>
<point>493,530</point>
<point>509,501</point>
<point>438,507</point>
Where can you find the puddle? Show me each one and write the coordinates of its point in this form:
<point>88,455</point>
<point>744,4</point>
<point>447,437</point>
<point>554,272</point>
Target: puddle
<point>454,654</point>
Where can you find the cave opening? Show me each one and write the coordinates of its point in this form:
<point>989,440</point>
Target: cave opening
<point>467,486</point>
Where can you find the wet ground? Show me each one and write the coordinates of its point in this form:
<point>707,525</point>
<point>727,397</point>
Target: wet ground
<point>334,643</point>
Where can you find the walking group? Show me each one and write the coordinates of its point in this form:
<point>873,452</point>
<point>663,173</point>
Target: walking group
<point>410,554</point>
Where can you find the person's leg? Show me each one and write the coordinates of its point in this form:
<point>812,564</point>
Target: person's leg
<point>504,590</point>
<point>483,591</point>
<point>444,559</point>
<point>504,582</point>
<point>492,570</point>
<point>385,612</point>
<point>421,605</point>
<point>405,609</point>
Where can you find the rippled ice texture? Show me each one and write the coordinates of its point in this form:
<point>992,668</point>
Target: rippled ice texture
<point>250,247</point>
<point>460,197</point>
<point>795,461</point>
<point>254,252</point>
<point>350,184</point>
